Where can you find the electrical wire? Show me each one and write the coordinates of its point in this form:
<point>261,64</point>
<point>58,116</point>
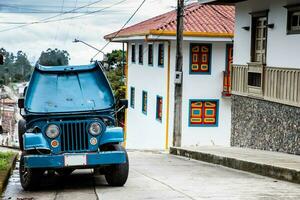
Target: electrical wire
<point>51,17</point>
<point>117,33</point>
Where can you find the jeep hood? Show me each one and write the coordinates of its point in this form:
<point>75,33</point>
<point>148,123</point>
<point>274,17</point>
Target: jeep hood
<point>62,89</point>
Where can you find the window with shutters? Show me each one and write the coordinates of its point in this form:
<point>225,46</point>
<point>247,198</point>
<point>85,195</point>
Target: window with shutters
<point>204,113</point>
<point>200,59</point>
<point>159,108</point>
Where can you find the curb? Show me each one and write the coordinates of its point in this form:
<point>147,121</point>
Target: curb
<point>9,147</point>
<point>7,173</point>
<point>257,168</point>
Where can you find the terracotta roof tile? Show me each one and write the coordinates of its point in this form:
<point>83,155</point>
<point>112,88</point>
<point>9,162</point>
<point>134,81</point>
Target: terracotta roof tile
<point>198,18</point>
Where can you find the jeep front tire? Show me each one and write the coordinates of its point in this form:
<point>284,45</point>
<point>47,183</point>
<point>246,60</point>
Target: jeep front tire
<point>116,175</point>
<point>29,178</point>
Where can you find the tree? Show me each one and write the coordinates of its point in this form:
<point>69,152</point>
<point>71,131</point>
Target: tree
<point>24,67</point>
<point>15,68</point>
<point>115,58</point>
<point>54,57</point>
<point>115,77</point>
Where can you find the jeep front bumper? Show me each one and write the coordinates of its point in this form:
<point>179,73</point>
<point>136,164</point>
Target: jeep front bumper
<point>75,160</point>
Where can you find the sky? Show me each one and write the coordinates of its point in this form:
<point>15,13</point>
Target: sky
<point>33,39</point>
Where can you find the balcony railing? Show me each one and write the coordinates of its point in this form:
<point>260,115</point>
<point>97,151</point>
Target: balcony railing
<point>281,85</point>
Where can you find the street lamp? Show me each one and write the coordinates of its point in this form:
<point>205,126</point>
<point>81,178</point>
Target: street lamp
<point>99,51</point>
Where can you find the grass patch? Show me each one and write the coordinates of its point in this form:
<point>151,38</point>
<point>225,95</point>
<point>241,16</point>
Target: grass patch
<point>5,159</point>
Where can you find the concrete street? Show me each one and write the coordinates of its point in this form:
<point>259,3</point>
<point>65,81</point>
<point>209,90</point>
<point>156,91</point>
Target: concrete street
<point>158,175</point>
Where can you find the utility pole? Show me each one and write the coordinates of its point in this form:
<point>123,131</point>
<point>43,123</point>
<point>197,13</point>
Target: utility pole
<point>178,76</point>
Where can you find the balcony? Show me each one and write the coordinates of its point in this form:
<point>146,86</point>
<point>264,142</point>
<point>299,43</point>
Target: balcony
<point>281,85</point>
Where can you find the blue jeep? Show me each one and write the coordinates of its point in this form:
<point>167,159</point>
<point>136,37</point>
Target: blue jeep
<point>69,123</point>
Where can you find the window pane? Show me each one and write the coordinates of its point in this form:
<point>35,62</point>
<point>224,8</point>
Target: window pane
<point>133,53</point>
<point>132,97</point>
<point>161,54</point>
<point>254,79</point>
<point>150,54</point>
<point>141,54</point>
<point>294,20</point>
<point>159,105</point>
<point>144,102</point>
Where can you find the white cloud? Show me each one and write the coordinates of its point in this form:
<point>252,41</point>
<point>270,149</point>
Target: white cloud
<point>36,38</point>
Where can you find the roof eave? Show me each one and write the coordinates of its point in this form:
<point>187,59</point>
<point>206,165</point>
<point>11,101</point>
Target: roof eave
<point>192,34</point>
<point>141,36</point>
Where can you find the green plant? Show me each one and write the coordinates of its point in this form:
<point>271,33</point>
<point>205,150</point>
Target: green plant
<point>5,159</point>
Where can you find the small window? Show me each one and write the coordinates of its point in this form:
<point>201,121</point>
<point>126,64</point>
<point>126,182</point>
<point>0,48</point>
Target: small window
<point>133,53</point>
<point>144,102</point>
<point>161,55</point>
<point>293,21</point>
<point>200,59</point>
<point>204,113</point>
<point>150,54</point>
<point>254,79</point>
<point>132,97</point>
<point>159,107</point>
<point>141,54</point>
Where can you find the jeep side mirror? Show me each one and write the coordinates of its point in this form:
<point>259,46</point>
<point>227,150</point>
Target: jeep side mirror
<point>123,103</point>
<point>21,103</point>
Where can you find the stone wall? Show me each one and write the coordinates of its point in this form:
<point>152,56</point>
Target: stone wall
<point>265,125</point>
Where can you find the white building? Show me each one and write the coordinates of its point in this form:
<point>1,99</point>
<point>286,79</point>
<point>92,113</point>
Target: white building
<point>266,75</point>
<point>207,53</point>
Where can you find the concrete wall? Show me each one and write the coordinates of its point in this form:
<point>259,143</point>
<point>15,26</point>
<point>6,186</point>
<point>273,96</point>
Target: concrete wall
<point>144,131</point>
<point>282,49</point>
<point>265,125</point>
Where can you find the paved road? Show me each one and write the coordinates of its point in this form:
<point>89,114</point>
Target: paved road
<point>156,175</point>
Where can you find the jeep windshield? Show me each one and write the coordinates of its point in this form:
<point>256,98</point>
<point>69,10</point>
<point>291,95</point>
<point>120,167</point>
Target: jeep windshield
<point>61,89</point>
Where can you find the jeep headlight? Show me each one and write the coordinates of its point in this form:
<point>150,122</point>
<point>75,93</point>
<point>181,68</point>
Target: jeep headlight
<point>52,131</point>
<point>95,128</point>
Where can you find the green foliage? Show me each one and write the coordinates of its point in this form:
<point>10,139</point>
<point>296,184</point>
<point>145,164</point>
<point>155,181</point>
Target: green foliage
<point>115,76</point>
<point>16,68</point>
<point>5,159</point>
<point>115,58</point>
<point>54,57</point>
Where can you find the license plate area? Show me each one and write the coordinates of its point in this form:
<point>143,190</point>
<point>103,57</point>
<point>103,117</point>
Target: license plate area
<point>75,160</point>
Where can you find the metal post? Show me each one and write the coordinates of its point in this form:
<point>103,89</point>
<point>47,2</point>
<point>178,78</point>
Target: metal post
<point>178,86</point>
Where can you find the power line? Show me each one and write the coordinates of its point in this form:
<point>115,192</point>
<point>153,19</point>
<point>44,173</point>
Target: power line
<point>48,18</point>
<point>15,8</point>
<point>89,13</point>
<point>67,18</point>
<point>117,33</point>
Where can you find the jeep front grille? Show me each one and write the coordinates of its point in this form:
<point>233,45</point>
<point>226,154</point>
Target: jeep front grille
<point>74,136</point>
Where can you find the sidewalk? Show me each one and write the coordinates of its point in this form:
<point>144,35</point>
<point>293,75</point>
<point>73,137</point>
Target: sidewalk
<point>273,164</point>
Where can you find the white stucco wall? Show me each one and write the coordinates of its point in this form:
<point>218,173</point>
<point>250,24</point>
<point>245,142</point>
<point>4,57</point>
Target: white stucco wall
<point>144,131</point>
<point>282,49</point>
<point>203,87</point>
